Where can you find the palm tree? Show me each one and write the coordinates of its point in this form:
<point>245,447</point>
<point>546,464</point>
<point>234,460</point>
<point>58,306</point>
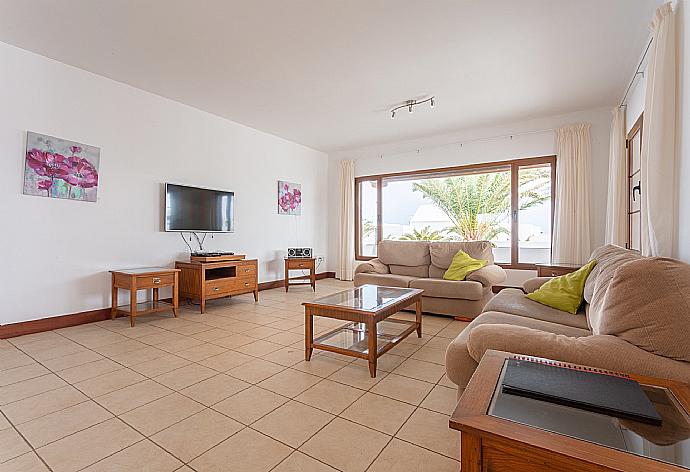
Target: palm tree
<point>368,228</point>
<point>477,203</point>
<point>424,234</point>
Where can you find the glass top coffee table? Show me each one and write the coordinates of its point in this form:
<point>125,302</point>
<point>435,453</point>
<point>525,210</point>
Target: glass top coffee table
<point>371,333</point>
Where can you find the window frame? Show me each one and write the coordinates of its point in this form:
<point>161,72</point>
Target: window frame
<point>514,165</point>
<point>629,174</point>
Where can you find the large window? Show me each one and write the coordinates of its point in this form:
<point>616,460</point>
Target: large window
<point>507,203</point>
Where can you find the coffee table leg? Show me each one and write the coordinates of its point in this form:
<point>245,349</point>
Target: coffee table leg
<point>308,334</point>
<point>418,310</point>
<point>373,348</point>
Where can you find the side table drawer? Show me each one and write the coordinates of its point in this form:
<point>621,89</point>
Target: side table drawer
<point>297,264</point>
<point>153,281</point>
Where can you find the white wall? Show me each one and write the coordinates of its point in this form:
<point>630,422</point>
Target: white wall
<point>436,152</point>
<point>57,252</point>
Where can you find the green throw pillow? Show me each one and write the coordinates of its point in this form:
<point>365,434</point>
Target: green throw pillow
<point>565,292</point>
<point>462,265</point>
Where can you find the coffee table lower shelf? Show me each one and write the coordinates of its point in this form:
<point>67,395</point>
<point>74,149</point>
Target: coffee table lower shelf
<point>352,339</point>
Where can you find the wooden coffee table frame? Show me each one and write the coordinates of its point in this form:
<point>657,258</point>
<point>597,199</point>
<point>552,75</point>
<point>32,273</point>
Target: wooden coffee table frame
<point>369,318</point>
<point>500,445</point>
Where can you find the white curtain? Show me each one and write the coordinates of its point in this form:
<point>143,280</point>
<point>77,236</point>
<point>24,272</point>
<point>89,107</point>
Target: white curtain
<point>571,237</point>
<point>347,220</point>
<point>616,204</point>
<point>657,171</point>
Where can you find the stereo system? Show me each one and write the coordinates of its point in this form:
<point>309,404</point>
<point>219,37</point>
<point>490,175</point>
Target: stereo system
<point>297,252</point>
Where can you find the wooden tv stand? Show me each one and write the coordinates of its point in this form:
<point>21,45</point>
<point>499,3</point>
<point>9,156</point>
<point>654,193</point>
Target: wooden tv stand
<point>208,280</point>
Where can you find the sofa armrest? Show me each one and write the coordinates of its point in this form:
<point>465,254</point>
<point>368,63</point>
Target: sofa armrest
<point>374,266</point>
<point>488,275</point>
<point>533,284</point>
<point>602,351</point>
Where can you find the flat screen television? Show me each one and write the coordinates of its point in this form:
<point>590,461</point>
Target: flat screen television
<point>199,210</point>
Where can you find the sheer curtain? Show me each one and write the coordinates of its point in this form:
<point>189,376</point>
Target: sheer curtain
<point>616,204</point>
<point>571,237</point>
<point>657,171</point>
<point>347,220</point>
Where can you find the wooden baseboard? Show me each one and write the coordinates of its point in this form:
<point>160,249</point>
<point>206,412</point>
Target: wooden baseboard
<point>91,316</point>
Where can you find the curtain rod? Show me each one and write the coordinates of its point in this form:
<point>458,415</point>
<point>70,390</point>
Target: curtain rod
<point>466,141</point>
<point>637,72</point>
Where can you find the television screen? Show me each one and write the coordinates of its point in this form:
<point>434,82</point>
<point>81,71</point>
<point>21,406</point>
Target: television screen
<point>198,209</point>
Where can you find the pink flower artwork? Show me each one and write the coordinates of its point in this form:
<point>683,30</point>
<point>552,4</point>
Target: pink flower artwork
<point>59,168</point>
<point>289,198</point>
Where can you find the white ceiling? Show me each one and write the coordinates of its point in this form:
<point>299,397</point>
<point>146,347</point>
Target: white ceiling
<point>324,72</point>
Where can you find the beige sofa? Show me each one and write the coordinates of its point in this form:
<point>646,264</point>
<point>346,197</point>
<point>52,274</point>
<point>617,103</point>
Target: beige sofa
<point>636,319</point>
<point>421,264</point>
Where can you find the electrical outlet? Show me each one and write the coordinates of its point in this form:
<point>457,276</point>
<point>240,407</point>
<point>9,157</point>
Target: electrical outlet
<point>320,259</point>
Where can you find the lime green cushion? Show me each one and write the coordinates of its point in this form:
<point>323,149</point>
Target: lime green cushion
<point>463,265</point>
<point>565,292</point>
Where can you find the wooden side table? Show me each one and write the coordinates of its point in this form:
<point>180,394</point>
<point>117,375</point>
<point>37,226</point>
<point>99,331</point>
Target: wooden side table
<point>145,278</point>
<point>300,263</point>
<point>556,269</point>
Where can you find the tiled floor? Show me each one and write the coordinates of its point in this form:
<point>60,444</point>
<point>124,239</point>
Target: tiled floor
<point>225,391</point>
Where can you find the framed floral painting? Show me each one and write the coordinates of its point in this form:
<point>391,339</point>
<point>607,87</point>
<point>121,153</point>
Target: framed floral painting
<point>289,198</point>
<point>59,168</point>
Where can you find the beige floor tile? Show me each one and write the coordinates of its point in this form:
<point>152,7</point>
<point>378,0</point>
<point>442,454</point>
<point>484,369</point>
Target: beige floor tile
<point>446,382</point>
<point>185,376</point>
<point>128,345</point>
<point>246,451</point>
<point>179,345</point>
<point>430,430</point>
<point>93,444</point>
<point>110,382</point>
<point>226,361</point>
<point>452,330</point>
<point>27,388</point>
<point>161,337</point>
<point>386,363</point>
<point>159,414</point>
<point>299,462</point>
<point>293,423</point>
<point>322,366</point>
<point>28,462</point>
<point>73,360</point>
<point>258,348</point>
<point>357,376</point>
<point>438,342</point>
<point>4,424</point>
<point>197,434</point>
<point>403,388</point>
<point>287,356</point>
<point>132,397</point>
<point>214,389</point>
<point>140,355</point>
<point>39,405</point>
<point>328,445</point>
<point>289,382</point>
<point>191,329</point>
<point>234,341</point>
<point>201,352</point>
<point>285,338</point>
<point>330,396</point>
<point>212,334</point>
<point>405,349</point>
<point>59,351</point>
<point>261,332</point>
<point>54,426</point>
<point>255,371</point>
<point>87,371</point>
<point>12,445</point>
<point>400,456</point>
<point>421,370</point>
<point>251,404</point>
<point>441,400</point>
<point>380,413</point>
<point>19,374</point>
<point>143,455</point>
<point>429,354</point>
<point>160,366</point>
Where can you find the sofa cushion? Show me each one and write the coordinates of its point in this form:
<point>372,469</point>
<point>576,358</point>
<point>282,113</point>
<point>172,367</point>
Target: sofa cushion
<point>442,254</point>
<point>514,301</point>
<point>564,292</point>
<point>648,304</point>
<point>488,275</point>
<point>412,271</point>
<point>609,258</point>
<point>439,288</point>
<point>404,253</point>
<point>373,266</point>
<point>386,280</point>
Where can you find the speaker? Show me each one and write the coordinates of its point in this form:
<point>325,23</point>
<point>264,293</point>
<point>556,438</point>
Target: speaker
<point>297,252</point>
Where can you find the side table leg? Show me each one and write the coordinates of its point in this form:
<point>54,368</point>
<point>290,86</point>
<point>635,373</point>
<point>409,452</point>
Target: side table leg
<point>132,305</point>
<point>308,334</point>
<point>372,347</point>
<point>418,311</point>
<point>113,308</point>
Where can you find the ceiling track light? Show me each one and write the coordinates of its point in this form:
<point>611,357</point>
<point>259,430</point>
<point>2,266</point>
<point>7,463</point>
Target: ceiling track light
<point>410,104</point>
